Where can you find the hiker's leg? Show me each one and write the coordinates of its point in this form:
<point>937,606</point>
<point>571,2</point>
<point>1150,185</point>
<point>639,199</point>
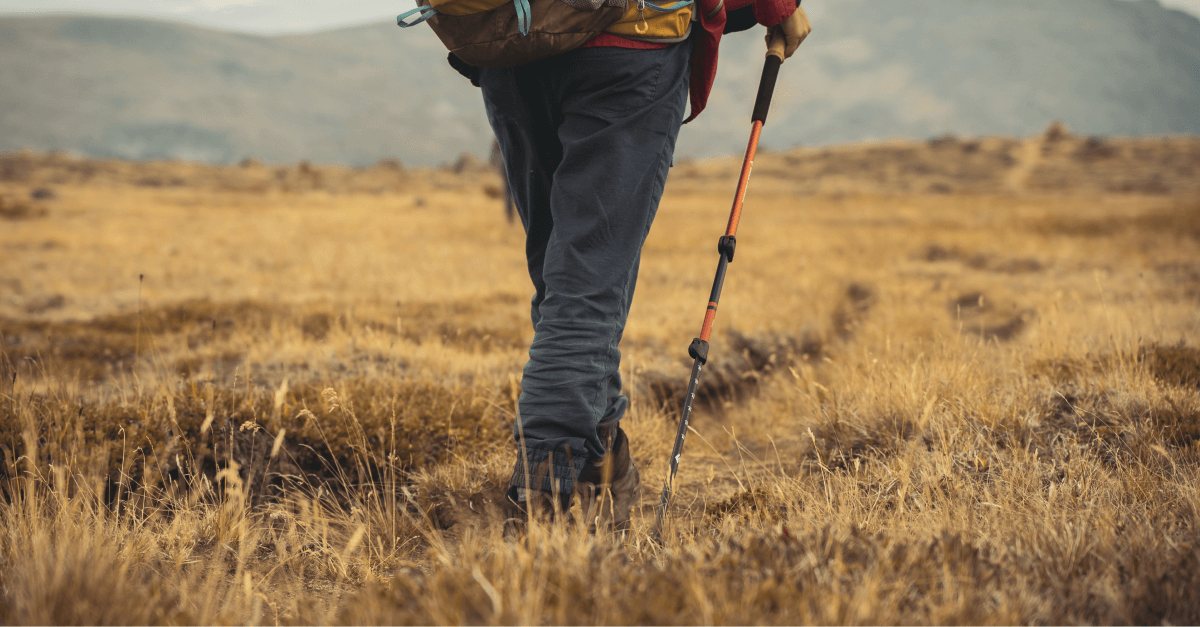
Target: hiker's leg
<point>621,112</point>
<point>616,114</point>
<point>522,115</point>
<point>522,108</point>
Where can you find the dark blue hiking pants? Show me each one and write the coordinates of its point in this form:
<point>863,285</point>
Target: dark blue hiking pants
<point>587,138</point>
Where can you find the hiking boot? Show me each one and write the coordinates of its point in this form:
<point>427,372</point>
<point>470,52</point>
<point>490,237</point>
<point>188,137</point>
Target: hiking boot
<point>521,503</point>
<point>609,487</point>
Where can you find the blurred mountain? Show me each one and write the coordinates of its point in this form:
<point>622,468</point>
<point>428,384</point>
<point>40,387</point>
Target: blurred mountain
<point>921,68</point>
<point>143,89</point>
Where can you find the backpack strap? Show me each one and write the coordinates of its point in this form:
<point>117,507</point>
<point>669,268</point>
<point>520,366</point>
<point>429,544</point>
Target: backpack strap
<point>523,15</point>
<point>423,13</point>
<point>668,7</point>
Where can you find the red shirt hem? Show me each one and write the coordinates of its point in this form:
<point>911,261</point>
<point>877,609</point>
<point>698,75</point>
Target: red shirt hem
<point>609,40</point>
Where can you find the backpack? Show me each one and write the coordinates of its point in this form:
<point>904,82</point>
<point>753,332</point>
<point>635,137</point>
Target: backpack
<point>507,33</point>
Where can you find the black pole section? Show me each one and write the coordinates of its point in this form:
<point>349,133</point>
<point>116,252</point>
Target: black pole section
<point>766,87</point>
<point>714,296</point>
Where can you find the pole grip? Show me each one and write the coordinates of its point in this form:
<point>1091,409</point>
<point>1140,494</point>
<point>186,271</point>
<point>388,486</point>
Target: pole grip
<point>778,44</point>
<point>766,87</point>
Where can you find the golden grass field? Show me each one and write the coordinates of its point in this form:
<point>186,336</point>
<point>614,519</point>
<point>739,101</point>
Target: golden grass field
<point>954,381</point>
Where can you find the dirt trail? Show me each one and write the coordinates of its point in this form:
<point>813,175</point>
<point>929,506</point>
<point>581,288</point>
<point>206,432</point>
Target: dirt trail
<point>1028,157</point>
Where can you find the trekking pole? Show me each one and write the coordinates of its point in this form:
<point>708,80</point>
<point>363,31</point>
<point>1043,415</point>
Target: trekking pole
<point>725,246</point>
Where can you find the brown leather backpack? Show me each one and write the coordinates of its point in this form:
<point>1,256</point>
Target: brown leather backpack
<point>506,33</point>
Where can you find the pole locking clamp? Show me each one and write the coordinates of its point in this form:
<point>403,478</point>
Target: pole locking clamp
<point>726,246</point>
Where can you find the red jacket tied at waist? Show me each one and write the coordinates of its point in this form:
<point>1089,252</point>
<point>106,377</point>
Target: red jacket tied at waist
<point>712,24</point>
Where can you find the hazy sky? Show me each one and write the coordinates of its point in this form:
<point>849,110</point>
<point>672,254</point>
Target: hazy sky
<point>256,16</point>
<point>271,16</point>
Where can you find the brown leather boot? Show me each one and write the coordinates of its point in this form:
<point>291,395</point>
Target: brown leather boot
<point>610,487</point>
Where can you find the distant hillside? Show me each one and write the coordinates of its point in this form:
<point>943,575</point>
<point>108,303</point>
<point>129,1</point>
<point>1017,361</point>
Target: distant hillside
<point>871,70</point>
<point>152,90</point>
<point>1055,161</point>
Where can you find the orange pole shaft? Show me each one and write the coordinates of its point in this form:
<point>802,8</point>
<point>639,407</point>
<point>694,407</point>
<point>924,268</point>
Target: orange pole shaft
<point>735,214</point>
<point>709,316</point>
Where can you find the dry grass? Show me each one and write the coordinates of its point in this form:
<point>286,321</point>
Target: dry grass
<point>968,392</point>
